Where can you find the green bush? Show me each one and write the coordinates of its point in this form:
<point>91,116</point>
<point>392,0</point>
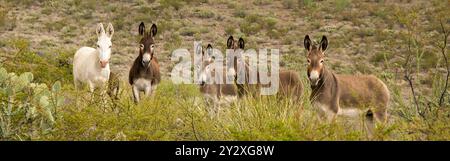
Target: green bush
<point>381,57</point>
<point>28,110</point>
<point>306,3</point>
<point>239,12</point>
<point>289,4</point>
<point>342,4</point>
<point>253,23</point>
<point>230,30</point>
<point>48,67</point>
<point>6,23</point>
<point>250,28</point>
<point>204,14</point>
<point>261,2</point>
<point>3,17</point>
<point>176,4</point>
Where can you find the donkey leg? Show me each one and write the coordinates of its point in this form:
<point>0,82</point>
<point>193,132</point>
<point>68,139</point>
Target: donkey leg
<point>325,113</point>
<point>154,88</point>
<point>369,123</point>
<point>381,115</point>
<point>91,90</point>
<point>148,90</point>
<point>91,86</point>
<point>135,94</point>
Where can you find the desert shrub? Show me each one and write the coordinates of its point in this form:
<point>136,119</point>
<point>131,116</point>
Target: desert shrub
<point>381,57</point>
<point>178,112</point>
<point>55,26</point>
<point>47,67</point>
<point>270,23</point>
<point>195,2</point>
<point>204,14</point>
<point>342,4</point>
<point>169,25</point>
<point>253,23</point>
<point>175,43</point>
<point>189,31</point>
<point>6,23</point>
<point>176,4</point>
<point>28,109</point>
<point>230,29</point>
<point>250,28</point>
<point>289,4</point>
<point>424,111</point>
<point>26,3</point>
<point>239,12</point>
<point>167,115</point>
<point>3,17</point>
<point>261,2</point>
<point>306,3</point>
<point>365,32</point>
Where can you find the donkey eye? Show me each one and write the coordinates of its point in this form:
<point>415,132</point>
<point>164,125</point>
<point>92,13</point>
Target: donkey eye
<point>321,61</point>
<point>153,46</point>
<point>98,46</point>
<point>309,61</point>
<point>141,45</point>
<point>110,46</point>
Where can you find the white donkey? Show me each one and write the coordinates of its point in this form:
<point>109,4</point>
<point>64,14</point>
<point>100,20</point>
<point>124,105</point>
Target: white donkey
<point>91,66</point>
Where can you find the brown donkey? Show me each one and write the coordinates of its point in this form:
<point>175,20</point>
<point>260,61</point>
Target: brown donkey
<point>289,81</point>
<point>215,92</point>
<point>144,74</point>
<point>349,95</point>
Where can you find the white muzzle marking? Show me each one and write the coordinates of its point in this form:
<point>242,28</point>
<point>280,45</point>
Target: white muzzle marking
<point>203,78</point>
<point>146,57</point>
<point>314,77</point>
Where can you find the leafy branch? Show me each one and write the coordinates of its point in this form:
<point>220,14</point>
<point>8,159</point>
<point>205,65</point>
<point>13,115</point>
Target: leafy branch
<point>443,49</point>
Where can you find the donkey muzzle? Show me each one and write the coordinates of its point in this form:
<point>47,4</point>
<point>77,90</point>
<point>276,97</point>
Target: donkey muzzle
<point>146,59</point>
<point>145,63</point>
<point>314,78</point>
<point>103,63</point>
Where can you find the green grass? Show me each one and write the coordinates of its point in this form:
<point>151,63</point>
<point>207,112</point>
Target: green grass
<point>178,112</point>
<point>48,66</point>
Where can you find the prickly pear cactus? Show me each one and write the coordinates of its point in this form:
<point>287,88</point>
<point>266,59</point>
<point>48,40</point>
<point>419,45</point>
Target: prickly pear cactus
<point>26,108</point>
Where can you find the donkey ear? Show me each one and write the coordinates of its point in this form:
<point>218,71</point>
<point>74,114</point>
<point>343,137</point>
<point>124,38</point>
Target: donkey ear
<point>209,49</point>
<point>110,30</point>
<point>324,43</point>
<point>241,43</point>
<point>307,43</point>
<point>141,28</point>
<point>100,30</point>
<point>199,49</point>
<point>230,42</point>
<point>153,30</point>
